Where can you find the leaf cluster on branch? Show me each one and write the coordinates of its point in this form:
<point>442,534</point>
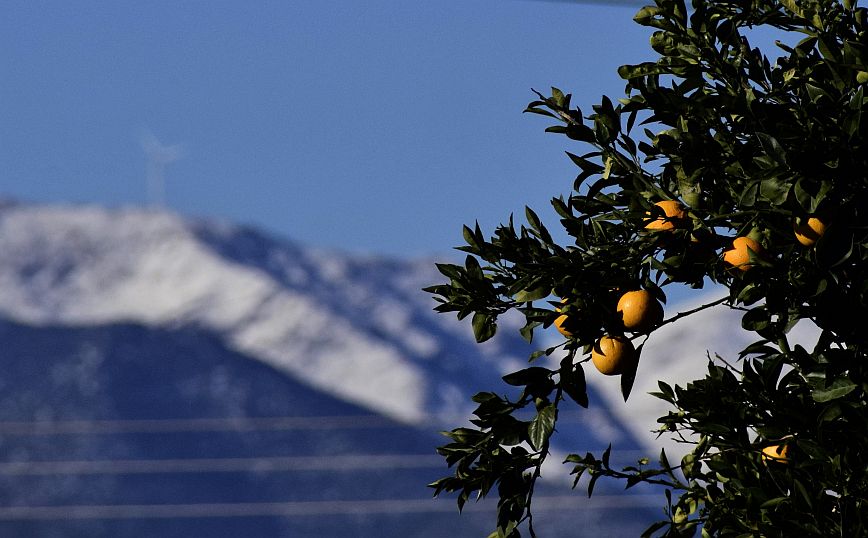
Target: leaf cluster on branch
<point>719,165</point>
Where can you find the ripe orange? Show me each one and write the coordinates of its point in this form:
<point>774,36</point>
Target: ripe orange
<point>674,212</point>
<point>639,311</point>
<point>809,231</point>
<point>613,355</point>
<point>560,320</point>
<point>778,453</point>
<point>739,256</point>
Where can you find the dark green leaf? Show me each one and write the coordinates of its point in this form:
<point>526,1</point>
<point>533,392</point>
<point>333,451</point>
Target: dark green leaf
<point>540,428</point>
<point>756,319</point>
<point>628,72</point>
<point>774,190</point>
<point>835,246</point>
<point>526,296</point>
<point>534,374</point>
<point>772,148</point>
<point>838,389</point>
<point>573,381</point>
<point>628,376</point>
<point>484,326</point>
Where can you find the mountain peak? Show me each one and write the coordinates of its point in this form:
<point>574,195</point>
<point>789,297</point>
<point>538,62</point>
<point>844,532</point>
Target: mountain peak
<point>359,327</point>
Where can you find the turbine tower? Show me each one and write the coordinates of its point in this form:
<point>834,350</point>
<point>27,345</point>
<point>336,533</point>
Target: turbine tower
<point>159,156</point>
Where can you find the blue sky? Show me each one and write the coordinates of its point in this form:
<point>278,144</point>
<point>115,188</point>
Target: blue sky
<point>376,127</point>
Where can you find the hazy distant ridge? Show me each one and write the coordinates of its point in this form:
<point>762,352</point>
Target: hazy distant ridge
<point>134,314</point>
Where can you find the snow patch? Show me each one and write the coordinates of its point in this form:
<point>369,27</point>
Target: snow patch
<point>84,266</point>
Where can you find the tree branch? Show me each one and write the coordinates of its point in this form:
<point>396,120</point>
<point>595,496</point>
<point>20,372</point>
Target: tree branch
<point>680,315</point>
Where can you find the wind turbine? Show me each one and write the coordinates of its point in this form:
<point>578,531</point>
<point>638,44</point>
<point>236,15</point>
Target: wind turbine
<point>159,155</point>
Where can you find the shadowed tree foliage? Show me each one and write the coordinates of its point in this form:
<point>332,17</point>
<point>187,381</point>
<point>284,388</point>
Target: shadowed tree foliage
<point>767,145</point>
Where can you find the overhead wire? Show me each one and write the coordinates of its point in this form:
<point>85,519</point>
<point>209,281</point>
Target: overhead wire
<point>306,508</point>
<point>185,425</point>
<point>353,462</point>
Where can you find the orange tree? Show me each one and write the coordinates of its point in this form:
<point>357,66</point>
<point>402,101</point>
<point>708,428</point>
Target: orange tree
<point>719,165</point>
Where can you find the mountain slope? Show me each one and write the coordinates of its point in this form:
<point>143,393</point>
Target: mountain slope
<point>357,328</point>
<point>149,355</point>
<point>90,429</point>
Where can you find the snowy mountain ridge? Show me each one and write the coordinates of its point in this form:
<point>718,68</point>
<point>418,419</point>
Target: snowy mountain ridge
<point>133,319</point>
<point>298,310</point>
<point>359,328</point>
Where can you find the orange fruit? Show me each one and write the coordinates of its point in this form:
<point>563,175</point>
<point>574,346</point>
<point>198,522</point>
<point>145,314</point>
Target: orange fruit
<point>639,310</point>
<point>613,355</point>
<point>674,212</point>
<point>559,325</point>
<point>809,231</point>
<point>739,256</point>
<point>778,453</point>
<point>560,320</point>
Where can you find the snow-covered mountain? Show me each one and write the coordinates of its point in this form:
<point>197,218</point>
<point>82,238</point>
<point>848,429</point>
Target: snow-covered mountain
<point>358,328</point>
<point>170,376</point>
<point>176,377</point>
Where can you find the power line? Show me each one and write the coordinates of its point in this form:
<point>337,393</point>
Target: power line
<point>160,425</point>
<point>306,508</point>
<point>352,462</point>
<point>230,424</point>
<point>239,424</point>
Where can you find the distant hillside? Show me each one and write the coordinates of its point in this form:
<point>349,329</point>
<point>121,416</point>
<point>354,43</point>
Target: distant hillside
<point>172,377</point>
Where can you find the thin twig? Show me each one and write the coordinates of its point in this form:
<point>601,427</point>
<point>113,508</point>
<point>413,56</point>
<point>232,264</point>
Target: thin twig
<point>538,471</point>
<point>695,310</point>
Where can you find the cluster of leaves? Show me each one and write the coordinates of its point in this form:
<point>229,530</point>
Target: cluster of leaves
<point>751,147</point>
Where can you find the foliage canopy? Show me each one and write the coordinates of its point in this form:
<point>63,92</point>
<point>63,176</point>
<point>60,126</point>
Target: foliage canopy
<point>749,146</point>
